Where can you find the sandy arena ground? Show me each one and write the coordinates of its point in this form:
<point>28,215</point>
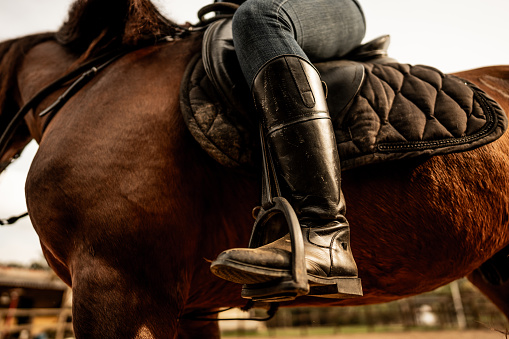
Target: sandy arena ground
<point>471,334</point>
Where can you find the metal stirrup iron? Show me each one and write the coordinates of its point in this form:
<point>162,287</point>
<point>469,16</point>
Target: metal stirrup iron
<point>282,289</point>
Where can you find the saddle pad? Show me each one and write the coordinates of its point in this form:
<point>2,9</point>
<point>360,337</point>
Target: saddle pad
<point>407,111</point>
<point>400,111</point>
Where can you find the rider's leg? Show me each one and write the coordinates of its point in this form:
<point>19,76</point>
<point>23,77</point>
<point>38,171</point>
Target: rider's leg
<point>288,94</point>
<point>314,30</point>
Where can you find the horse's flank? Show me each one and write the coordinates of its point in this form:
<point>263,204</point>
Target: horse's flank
<point>494,80</point>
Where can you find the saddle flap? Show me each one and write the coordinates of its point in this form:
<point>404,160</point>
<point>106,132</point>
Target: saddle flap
<point>221,64</point>
<point>343,79</point>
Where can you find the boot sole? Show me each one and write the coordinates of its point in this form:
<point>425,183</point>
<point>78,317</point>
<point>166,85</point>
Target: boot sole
<point>335,287</point>
<point>271,285</point>
<point>242,273</point>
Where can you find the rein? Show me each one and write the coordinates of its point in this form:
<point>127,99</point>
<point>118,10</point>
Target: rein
<point>87,71</point>
<point>12,220</point>
<point>82,75</point>
<point>76,86</point>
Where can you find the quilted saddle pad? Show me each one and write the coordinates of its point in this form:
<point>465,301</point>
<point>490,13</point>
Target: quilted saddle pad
<point>400,111</point>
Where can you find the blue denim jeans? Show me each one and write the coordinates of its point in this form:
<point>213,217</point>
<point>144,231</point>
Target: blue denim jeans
<point>312,29</point>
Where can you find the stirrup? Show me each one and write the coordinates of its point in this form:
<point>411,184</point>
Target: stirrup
<point>285,288</point>
<point>298,282</point>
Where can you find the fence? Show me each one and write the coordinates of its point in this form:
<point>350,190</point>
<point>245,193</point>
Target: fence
<point>36,323</point>
<point>456,306</point>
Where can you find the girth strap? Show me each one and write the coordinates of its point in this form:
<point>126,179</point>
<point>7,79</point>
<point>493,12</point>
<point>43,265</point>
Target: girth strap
<point>496,270</point>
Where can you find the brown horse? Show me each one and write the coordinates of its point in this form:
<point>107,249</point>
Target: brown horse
<point>130,210</point>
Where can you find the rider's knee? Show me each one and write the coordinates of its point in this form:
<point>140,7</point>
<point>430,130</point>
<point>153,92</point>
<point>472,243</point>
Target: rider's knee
<point>255,15</point>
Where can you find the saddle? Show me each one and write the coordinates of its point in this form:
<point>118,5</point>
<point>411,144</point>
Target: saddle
<point>381,110</point>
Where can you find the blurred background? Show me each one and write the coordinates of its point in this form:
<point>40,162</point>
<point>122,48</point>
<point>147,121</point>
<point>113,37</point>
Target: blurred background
<point>451,35</point>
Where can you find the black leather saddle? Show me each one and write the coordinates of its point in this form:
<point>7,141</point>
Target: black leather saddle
<point>221,65</point>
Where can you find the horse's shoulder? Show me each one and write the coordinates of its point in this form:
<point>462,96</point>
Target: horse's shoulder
<point>43,64</point>
<point>50,53</point>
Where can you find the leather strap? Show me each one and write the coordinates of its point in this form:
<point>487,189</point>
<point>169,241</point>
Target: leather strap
<point>10,130</point>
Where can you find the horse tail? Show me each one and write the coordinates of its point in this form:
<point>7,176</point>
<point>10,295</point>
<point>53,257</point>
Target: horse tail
<point>99,24</point>
<point>11,57</point>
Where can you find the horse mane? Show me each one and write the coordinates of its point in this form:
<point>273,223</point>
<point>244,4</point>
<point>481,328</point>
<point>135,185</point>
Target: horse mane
<point>92,27</point>
<point>98,25</point>
<point>12,54</point>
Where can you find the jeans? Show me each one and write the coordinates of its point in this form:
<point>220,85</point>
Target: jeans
<point>315,30</point>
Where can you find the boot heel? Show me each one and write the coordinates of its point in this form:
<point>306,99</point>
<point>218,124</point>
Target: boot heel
<point>275,291</point>
<point>335,288</point>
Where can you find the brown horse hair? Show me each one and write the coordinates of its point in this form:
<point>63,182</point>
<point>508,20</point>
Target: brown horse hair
<point>112,24</point>
<point>92,27</point>
<point>12,53</point>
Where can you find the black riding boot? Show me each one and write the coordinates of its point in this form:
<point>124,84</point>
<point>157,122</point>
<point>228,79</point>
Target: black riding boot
<point>299,133</point>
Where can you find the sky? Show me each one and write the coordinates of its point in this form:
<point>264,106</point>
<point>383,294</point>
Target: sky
<point>452,35</point>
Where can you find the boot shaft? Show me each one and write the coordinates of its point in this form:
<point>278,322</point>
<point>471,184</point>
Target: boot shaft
<point>288,90</point>
<point>289,95</point>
